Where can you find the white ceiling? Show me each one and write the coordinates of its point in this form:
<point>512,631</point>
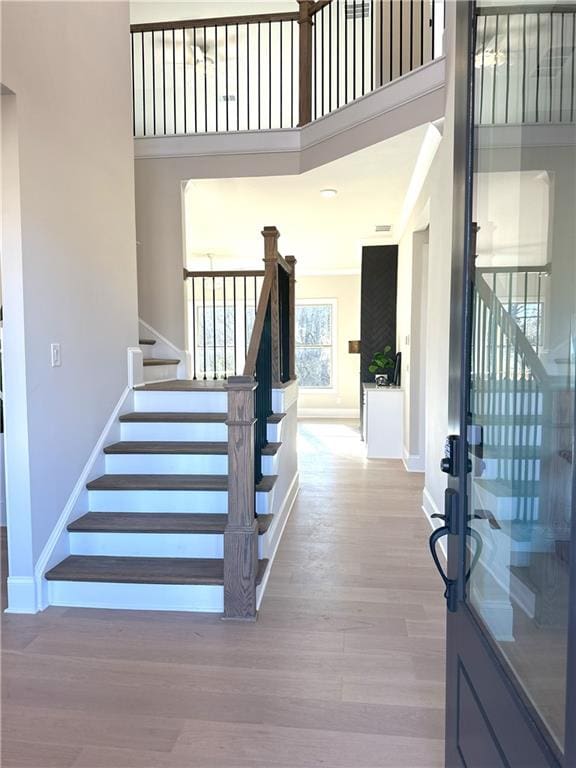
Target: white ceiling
<point>145,11</point>
<point>224,217</point>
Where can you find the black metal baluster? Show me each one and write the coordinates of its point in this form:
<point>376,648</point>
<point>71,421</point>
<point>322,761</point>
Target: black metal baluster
<point>524,68</point>
<point>336,5</point>
<point>227,84</point>
<point>224,312</point>
<point>269,74</point>
<point>153,86</point>
<point>183,78</point>
<point>354,49</point>
<point>174,75</point>
<point>259,81</point>
<point>164,78</point>
<point>421,32</point>
<point>322,52</point>
<point>143,84</point>
<point>204,322</point>
<point>573,61</point>
<point>255,296</point>
<point>345,56</point>
<point>507,66</point>
<point>494,70</point>
<point>237,79</point>
<point>315,68</point>
<point>550,65</point>
<point>433,28</point>
<point>402,36</point>
<point>195,88</point>
<point>281,78</point>
<point>248,77</point>
<point>330,57</point>
<point>133,85</point>
<point>363,36</point>
<point>245,323</point>
<point>292,74</point>
<point>216,74</point>
<point>537,65</point>
<point>214,325</point>
<point>382,42</point>
<point>234,321</point>
<point>194,327</point>
<point>390,38</point>
<point>411,35</point>
<point>561,68</point>
<point>205,84</point>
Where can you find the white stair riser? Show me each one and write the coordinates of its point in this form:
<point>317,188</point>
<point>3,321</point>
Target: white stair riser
<point>175,464</point>
<point>517,435</point>
<point>166,501</point>
<point>178,402</point>
<point>506,468</point>
<point>145,597</point>
<point>505,507</point>
<point>179,431</point>
<point>501,403</point>
<point>150,544</point>
<point>160,372</point>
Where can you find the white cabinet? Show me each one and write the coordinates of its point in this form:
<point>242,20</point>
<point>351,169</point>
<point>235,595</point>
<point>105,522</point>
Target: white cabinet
<point>383,421</point>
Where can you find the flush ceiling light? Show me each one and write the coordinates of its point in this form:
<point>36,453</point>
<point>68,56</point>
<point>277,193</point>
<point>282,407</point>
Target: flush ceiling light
<point>328,192</point>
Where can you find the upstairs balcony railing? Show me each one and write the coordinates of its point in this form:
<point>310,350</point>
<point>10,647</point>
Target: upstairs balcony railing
<point>275,70</point>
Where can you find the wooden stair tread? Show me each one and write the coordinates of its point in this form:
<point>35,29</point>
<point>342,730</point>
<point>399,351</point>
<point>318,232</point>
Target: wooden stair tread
<point>276,418</point>
<point>183,385</point>
<point>156,522</point>
<point>179,447</point>
<point>146,342</point>
<point>148,361</point>
<point>144,570</point>
<point>170,483</point>
<point>175,417</point>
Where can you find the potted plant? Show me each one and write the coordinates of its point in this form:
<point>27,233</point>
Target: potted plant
<point>382,365</point>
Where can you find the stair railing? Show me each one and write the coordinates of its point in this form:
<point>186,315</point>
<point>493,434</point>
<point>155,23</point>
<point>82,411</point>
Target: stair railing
<point>270,363</point>
<point>510,381</point>
<point>275,70</point>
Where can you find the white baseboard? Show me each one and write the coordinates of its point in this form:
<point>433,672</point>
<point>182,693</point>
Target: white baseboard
<point>328,413</point>
<point>283,516</point>
<point>429,508</point>
<point>22,595</point>
<point>413,463</point>
<point>57,547</point>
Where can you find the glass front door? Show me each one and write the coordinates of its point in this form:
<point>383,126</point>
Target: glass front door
<point>523,345</point>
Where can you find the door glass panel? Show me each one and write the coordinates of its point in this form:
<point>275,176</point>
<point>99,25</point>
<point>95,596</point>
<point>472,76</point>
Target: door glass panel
<point>523,367</point>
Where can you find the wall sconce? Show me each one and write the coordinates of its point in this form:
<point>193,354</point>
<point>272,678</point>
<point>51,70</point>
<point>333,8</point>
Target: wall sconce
<point>354,347</point>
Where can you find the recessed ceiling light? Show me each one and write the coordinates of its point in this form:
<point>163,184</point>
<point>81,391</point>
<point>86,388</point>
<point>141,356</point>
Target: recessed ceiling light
<point>328,192</point>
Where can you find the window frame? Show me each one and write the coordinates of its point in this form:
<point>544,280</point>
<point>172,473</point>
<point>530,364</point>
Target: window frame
<point>333,346</point>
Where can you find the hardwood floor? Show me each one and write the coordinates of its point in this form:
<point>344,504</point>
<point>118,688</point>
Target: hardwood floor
<point>344,668</point>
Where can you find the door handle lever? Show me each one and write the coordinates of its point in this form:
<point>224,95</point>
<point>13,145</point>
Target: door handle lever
<point>450,584</point>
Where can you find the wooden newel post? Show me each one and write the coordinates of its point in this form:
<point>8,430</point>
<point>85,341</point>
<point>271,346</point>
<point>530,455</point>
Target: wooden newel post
<point>271,236</point>
<point>292,316</point>
<point>305,23</point>
<point>241,532</point>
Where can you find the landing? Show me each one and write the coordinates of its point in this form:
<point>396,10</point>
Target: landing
<point>183,385</point>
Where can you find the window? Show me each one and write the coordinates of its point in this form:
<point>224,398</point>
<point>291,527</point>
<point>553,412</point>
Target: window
<point>314,344</point>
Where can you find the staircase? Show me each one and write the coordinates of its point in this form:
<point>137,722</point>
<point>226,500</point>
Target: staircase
<point>157,368</point>
<point>194,494</point>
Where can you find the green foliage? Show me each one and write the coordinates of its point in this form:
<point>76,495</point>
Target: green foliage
<point>382,361</point>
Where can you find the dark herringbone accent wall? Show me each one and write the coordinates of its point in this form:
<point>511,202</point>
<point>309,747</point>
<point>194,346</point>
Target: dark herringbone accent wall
<point>378,304</point>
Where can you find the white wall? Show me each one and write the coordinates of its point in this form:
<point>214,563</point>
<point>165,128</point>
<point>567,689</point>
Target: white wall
<point>344,397</point>
<point>68,252</point>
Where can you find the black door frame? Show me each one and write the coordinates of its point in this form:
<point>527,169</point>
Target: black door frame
<point>519,736</point>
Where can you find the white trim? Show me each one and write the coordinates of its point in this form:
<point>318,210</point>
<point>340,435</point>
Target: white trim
<point>429,508</point>
<point>285,511</point>
<point>328,413</point>
<point>413,462</point>
<point>21,595</point>
<point>135,367</point>
<point>58,545</point>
